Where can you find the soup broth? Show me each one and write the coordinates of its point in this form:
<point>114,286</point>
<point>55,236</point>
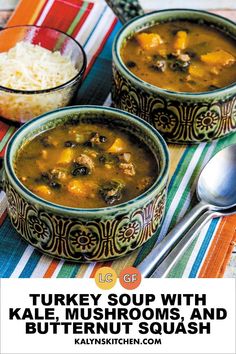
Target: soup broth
<point>182,56</point>
<point>86,165</point>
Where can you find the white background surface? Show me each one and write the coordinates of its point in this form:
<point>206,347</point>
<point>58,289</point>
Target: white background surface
<point>220,293</point>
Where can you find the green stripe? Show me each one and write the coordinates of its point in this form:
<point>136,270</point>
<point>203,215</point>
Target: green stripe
<point>222,143</point>
<point>68,270</point>
<point>178,270</point>
<point>77,18</point>
<point>178,179</point>
<point>195,173</point>
<point>181,265</point>
<point>6,137</point>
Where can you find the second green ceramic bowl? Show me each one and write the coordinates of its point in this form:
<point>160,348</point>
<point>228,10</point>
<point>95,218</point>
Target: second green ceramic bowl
<point>181,117</point>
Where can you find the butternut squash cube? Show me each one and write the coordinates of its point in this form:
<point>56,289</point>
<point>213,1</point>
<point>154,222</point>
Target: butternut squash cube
<point>180,41</point>
<point>80,188</point>
<point>76,188</point>
<point>196,71</point>
<point>44,154</point>
<point>218,58</point>
<point>43,191</point>
<point>117,146</point>
<point>149,41</point>
<point>66,157</point>
<point>162,51</point>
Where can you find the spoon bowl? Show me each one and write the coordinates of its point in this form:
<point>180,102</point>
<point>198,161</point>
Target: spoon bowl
<point>217,181</point>
<point>216,192</point>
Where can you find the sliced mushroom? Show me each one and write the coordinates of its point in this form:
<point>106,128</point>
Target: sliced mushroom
<point>111,191</point>
<point>49,179</point>
<point>109,158</point>
<point>47,141</point>
<point>181,63</point>
<point>70,143</point>
<point>59,173</point>
<point>160,66</point>
<point>125,157</point>
<point>95,139</point>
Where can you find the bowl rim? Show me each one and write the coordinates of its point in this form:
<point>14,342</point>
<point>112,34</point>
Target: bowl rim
<point>143,84</point>
<point>36,200</point>
<point>55,88</point>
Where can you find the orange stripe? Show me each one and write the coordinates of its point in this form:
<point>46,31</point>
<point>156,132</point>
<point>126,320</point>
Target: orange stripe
<point>99,265</point>
<point>227,257</point>
<point>3,217</point>
<point>26,12</point>
<point>51,269</point>
<point>220,250</point>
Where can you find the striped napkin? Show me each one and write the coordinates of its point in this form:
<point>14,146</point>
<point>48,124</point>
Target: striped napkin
<point>94,26</point>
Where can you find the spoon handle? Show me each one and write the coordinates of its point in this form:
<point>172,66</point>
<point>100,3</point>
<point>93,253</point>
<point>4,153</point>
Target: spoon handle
<point>174,255</point>
<point>162,248</point>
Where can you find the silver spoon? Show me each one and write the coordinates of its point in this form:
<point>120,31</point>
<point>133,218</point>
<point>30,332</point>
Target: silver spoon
<point>175,254</point>
<point>216,191</point>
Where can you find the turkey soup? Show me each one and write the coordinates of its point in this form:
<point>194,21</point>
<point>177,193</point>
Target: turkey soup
<point>182,56</point>
<point>86,165</point>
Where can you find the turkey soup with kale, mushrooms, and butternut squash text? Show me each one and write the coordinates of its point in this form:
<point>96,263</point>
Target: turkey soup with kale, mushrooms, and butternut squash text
<point>86,165</point>
<point>182,56</point>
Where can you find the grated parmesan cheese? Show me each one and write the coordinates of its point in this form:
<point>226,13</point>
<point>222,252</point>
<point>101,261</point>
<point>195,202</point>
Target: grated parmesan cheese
<point>32,67</point>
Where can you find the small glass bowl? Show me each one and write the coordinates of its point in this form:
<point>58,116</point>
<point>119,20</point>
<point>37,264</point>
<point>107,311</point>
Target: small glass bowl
<point>23,105</point>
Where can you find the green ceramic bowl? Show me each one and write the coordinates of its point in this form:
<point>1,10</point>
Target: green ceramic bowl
<point>85,235</point>
<point>181,117</point>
